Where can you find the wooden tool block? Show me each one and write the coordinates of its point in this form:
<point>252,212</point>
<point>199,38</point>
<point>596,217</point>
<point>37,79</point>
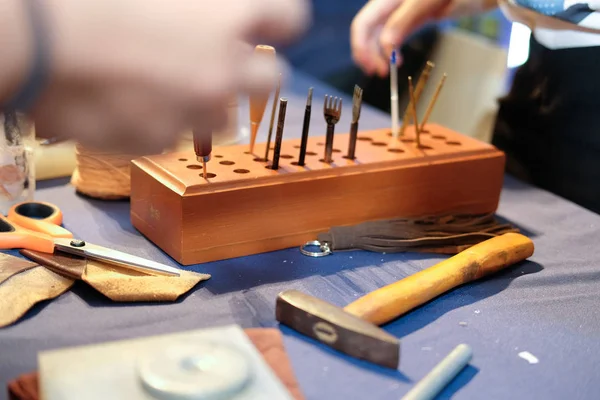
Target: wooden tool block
<point>246,208</point>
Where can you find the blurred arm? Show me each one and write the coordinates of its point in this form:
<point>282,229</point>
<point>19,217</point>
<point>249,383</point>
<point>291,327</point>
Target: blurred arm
<point>15,47</point>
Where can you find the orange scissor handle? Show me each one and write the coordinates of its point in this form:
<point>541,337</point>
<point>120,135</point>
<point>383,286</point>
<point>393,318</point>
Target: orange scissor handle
<point>13,236</point>
<point>39,216</point>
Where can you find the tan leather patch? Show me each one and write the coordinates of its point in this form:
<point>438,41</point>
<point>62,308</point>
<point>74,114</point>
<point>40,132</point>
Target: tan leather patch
<point>22,291</point>
<point>11,265</point>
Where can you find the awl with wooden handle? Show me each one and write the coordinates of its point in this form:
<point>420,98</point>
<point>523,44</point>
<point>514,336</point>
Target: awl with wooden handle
<point>258,102</point>
<point>354,329</point>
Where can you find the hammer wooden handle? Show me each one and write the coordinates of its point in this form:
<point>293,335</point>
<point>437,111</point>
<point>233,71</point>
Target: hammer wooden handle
<point>490,256</point>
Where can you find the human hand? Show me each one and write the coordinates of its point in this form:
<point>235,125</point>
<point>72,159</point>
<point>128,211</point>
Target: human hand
<point>132,75</point>
<point>382,26</point>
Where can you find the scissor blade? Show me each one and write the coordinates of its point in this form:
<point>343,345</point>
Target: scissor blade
<point>81,248</point>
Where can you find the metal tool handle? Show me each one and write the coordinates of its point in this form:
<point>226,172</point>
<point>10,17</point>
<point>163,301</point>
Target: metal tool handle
<point>329,143</point>
<point>352,144</point>
<point>482,259</point>
<point>279,137</point>
<point>304,141</point>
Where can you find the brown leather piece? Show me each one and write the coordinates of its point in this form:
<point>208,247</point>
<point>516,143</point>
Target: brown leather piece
<point>24,290</point>
<point>268,342</point>
<point>446,234</point>
<point>65,264</point>
<point>118,283</point>
<point>10,265</point>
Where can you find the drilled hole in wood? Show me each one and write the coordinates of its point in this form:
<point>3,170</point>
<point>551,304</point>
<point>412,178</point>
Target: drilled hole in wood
<point>208,175</point>
<point>396,150</point>
<point>286,156</point>
<point>337,151</point>
<point>220,156</point>
<point>320,144</point>
<point>380,144</point>
<point>424,132</point>
<point>364,138</point>
<point>407,140</point>
<point>259,159</point>
<point>425,147</point>
<point>297,146</point>
<point>241,171</point>
<point>453,143</point>
<point>183,159</point>
<point>296,163</point>
<point>194,166</point>
<point>441,137</point>
<point>226,162</point>
<point>311,153</point>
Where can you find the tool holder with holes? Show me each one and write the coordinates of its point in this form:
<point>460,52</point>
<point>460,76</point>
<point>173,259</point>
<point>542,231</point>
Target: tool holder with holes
<point>245,207</point>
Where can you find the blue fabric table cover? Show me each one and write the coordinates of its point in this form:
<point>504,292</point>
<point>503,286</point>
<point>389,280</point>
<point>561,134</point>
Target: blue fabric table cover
<point>548,306</point>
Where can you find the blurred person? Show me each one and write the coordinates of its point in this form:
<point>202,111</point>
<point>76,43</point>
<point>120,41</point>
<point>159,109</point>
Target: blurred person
<point>324,53</point>
<point>131,75</point>
<point>548,124</point>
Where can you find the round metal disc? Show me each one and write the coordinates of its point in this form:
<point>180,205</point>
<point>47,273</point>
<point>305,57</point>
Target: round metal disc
<point>194,371</point>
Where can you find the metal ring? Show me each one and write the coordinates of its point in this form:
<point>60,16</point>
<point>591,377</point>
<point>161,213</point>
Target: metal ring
<point>325,250</point>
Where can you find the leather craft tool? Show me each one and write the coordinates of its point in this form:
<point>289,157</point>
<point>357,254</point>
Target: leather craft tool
<point>209,364</point>
<point>356,107</point>
<point>37,226</point>
<point>305,128</point>
<point>431,104</point>
<point>413,104</point>
<point>418,90</point>
<point>332,111</point>
<point>455,174</point>
<point>271,123</point>
<point>432,384</point>
<point>258,102</point>
<point>203,149</point>
<point>279,136</point>
<point>354,329</point>
<point>394,94</point>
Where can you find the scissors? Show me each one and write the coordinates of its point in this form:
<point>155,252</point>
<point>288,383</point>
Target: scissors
<point>36,226</point>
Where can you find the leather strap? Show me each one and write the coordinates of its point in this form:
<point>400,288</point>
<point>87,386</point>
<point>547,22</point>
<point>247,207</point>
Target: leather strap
<point>67,265</point>
<point>446,234</point>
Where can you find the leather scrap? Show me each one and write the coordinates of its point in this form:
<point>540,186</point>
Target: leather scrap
<point>118,283</point>
<point>22,291</point>
<point>445,234</point>
<point>10,265</point>
<point>268,341</point>
<point>65,264</point>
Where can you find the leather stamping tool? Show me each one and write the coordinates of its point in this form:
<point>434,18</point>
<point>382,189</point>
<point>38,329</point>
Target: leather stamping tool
<point>418,90</point>
<point>354,329</point>
<point>305,128</point>
<point>203,149</point>
<point>413,104</point>
<point>332,111</point>
<point>356,107</point>
<point>432,103</point>
<point>273,110</point>
<point>279,136</point>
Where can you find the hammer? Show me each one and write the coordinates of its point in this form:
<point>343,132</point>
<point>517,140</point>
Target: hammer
<point>354,330</point>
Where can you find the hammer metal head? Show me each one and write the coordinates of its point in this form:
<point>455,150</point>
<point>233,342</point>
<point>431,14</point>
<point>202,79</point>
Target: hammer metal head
<point>338,329</point>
